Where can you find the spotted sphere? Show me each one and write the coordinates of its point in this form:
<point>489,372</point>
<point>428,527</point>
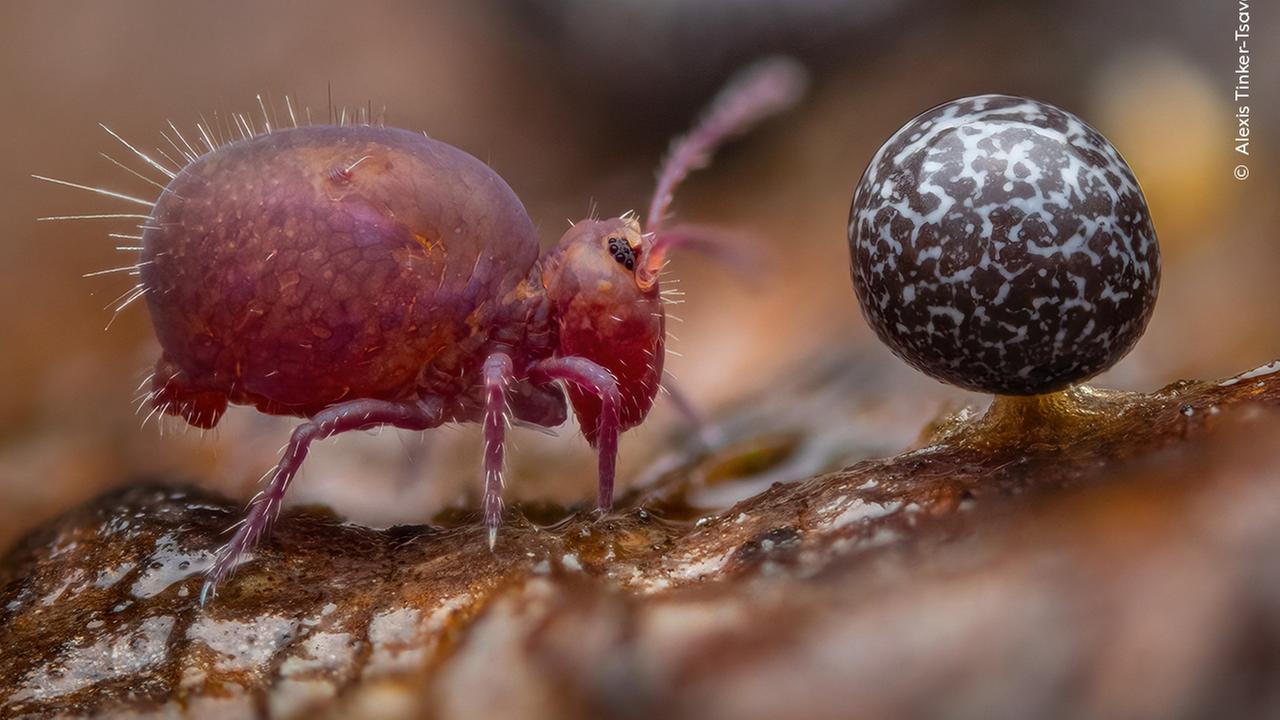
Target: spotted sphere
<point>1002,245</point>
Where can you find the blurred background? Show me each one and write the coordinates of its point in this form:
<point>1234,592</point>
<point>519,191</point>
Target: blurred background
<point>574,103</point>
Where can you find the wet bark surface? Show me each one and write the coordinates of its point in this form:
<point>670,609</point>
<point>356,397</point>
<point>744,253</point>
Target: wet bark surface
<point>1121,565</point>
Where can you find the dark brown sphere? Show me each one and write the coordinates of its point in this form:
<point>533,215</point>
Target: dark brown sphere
<point>1002,245</point>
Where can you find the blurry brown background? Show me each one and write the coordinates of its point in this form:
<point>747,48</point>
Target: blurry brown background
<point>573,103</point>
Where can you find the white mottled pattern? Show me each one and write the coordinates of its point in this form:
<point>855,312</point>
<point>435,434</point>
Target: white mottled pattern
<point>1001,244</point>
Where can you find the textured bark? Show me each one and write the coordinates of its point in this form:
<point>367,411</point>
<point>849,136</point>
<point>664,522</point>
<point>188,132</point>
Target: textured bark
<point>1127,570</point>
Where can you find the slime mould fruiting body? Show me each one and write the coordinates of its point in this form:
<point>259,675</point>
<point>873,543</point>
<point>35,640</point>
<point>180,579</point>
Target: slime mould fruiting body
<point>360,276</point>
<point>1002,245</point>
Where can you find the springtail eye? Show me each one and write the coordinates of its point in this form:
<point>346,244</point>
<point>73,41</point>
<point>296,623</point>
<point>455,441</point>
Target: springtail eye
<point>621,251</point>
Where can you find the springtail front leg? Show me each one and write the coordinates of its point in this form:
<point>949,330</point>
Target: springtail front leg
<point>595,379</point>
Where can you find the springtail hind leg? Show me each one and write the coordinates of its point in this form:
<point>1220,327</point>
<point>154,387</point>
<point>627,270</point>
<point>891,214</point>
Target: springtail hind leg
<point>265,506</point>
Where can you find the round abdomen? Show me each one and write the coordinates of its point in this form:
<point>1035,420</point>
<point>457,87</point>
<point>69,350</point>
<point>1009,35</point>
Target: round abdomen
<point>313,265</point>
